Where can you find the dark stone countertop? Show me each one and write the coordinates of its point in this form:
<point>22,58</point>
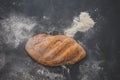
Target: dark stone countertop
<point>102,42</point>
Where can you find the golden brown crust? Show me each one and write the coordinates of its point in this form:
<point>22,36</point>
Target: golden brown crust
<point>54,50</point>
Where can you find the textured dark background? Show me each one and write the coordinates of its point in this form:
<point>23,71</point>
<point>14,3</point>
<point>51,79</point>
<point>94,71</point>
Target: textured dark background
<point>16,65</point>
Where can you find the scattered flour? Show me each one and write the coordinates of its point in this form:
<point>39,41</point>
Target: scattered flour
<point>81,23</point>
<point>50,75</point>
<point>17,29</point>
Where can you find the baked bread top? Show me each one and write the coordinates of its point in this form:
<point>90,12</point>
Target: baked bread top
<point>54,50</point>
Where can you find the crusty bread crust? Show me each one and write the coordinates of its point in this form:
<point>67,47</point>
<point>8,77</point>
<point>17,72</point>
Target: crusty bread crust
<point>54,50</point>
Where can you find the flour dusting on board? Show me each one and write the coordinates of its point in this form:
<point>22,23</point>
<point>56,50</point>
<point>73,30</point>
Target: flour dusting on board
<point>81,23</point>
<point>17,29</point>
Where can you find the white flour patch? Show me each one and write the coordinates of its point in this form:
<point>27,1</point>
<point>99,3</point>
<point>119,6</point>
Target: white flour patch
<point>81,23</point>
<point>17,29</point>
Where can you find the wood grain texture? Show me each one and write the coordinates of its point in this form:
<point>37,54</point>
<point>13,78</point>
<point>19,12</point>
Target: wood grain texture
<point>54,50</point>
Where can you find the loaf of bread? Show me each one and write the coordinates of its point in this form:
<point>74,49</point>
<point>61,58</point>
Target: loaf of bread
<point>55,50</point>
